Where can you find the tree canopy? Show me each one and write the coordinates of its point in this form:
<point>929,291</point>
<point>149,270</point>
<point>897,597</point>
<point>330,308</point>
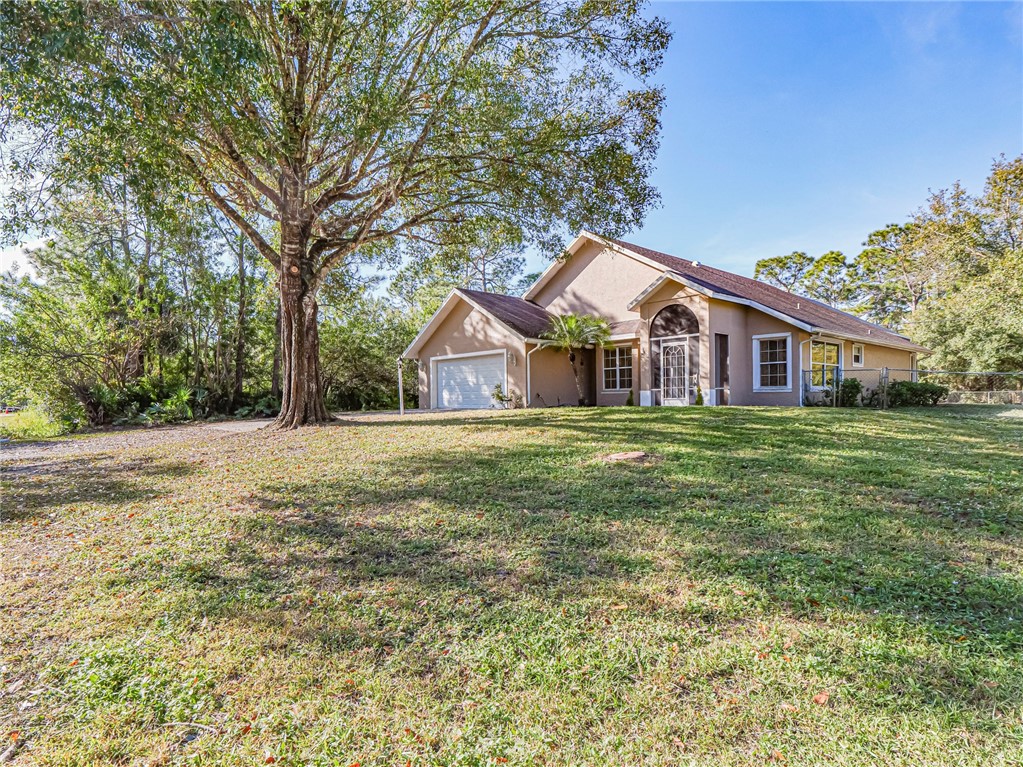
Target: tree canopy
<point>950,275</point>
<point>319,129</point>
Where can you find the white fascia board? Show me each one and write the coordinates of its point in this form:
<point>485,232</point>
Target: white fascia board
<point>705,291</point>
<point>445,308</point>
<point>582,237</point>
<point>873,340</point>
<point>555,266</point>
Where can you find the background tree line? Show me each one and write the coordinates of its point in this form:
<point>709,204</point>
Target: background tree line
<point>131,312</point>
<point>951,276</point>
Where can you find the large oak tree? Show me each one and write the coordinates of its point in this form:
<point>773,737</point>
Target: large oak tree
<point>321,128</point>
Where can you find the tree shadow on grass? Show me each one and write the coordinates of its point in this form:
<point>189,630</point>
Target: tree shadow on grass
<point>812,527</point>
<point>35,488</point>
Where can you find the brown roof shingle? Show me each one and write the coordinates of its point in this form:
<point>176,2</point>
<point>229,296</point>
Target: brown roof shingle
<point>520,315</point>
<point>806,310</point>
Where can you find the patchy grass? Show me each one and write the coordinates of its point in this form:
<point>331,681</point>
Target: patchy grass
<point>772,586</point>
<point>28,424</point>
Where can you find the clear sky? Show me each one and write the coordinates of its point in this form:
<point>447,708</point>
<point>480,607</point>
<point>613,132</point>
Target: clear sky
<point>805,126</point>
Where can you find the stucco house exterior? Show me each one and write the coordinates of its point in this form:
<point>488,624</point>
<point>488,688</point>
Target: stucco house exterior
<point>680,329</point>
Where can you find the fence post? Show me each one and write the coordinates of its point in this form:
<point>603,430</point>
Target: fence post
<point>884,388</point>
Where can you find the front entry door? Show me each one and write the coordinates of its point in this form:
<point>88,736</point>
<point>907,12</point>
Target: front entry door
<point>674,374</point>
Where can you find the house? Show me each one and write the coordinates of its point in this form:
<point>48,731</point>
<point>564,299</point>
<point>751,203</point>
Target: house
<point>679,329</point>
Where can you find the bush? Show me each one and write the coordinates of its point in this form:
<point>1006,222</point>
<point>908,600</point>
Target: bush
<point>31,423</point>
<point>849,392</point>
<point>915,394</point>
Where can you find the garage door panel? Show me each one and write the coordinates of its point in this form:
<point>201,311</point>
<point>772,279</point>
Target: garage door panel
<point>469,382</point>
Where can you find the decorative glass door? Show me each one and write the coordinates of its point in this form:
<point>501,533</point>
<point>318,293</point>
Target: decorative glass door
<point>674,374</point>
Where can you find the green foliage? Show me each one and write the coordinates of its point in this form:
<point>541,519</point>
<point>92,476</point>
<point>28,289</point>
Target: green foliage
<point>889,284</point>
<point>543,114</point>
<point>849,392</point>
<point>505,400</point>
<point>951,277</point>
<point>481,580</point>
<point>915,394</point>
<point>30,423</point>
<point>826,279</point>
<point>571,332</point>
<point>131,678</point>
<point>485,255</point>
<point>699,396</point>
<point>359,348</point>
<point>631,399</point>
<point>786,272</point>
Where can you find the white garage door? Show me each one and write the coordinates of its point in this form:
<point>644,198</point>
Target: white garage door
<point>468,382</point>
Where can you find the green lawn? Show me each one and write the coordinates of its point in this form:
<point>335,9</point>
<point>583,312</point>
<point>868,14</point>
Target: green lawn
<point>806,587</point>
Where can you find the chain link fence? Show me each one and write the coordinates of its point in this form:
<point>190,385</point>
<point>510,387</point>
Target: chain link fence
<point>977,388</point>
<point>831,386</point>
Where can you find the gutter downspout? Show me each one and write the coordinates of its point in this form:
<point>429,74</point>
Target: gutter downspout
<point>802,394</point>
<point>529,370</point>
<point>401,389</point>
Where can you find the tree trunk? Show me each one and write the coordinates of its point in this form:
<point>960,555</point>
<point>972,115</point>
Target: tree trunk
<point>275,373</point>
<point>302,396</point>
<point>239,339</point>
<point>578,383</point>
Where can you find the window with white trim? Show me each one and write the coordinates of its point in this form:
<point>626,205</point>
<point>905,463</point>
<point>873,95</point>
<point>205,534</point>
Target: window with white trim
<point>618,368</point>
<point>857,355</point>
<point>825,362</point>
<point>772,362</point>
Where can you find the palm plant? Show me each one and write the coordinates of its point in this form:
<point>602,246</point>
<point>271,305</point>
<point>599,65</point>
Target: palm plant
<point>570,332</point>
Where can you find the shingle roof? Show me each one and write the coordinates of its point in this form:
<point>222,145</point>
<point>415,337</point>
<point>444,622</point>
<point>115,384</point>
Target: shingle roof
<point>806,310</point>
<point>520,315</point>
<point>626,327</point>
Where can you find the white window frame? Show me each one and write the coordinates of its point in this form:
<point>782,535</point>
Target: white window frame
<point>617,369</point>
<point>858,350</point>
<point>838,367</point>
<point>756,362</point>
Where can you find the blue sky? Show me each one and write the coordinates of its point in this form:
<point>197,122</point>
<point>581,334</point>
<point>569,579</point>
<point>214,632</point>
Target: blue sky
<point>805,126</point>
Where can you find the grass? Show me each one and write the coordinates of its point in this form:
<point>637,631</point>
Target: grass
<point>773,587</point>
<point>28,424</point>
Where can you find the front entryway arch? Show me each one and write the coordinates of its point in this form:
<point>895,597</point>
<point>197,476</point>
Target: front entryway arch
<point>675,355</point>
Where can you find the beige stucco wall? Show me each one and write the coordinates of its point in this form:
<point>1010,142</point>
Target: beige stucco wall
<point>740,323</point>
<point>730,319</point>
<point>875,357</point>
<point>466,330</point>
<point>551,379</point>
<point>758,323</point>
<point>611,398</point>
<point>596,280</point>
<point>667,295</point>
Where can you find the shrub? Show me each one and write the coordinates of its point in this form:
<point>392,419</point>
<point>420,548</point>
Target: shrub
<point>849,392</point>
<point>630,401</point>
<point>30,423</point>
<point>915,394</point>
<point>505,400</point>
